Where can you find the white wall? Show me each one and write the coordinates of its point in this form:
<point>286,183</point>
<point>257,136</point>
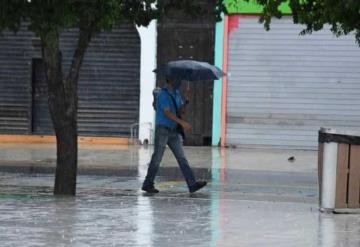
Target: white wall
<point>148,37</point>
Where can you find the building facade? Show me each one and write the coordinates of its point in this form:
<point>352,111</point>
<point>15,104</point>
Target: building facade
<point>282,87</point>
<point>279,90</point>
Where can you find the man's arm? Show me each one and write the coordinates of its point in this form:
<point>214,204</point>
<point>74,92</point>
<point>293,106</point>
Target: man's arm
<point>173,117</point>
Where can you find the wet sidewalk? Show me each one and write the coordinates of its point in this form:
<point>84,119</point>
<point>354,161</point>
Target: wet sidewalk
<point>262,174</point>
<point>255,197</point>
<point>117,157</point>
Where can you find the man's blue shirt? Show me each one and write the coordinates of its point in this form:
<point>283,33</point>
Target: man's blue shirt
<point>164,101</point>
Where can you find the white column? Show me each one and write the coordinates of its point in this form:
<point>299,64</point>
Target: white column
<point>328,190</point>
<point>148,37</point>
<point>329,175</point>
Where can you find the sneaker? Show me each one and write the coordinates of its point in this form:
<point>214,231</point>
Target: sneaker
<point>150,189</point>
<point>198,185</point>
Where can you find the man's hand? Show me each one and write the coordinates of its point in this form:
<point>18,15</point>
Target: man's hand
<point>186,126</point>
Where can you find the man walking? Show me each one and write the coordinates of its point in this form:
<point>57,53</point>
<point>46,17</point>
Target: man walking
<point>168,104</point>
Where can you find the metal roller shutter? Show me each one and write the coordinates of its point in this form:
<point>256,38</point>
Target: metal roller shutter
<point>109,83</point>
<point>283,87</point>
<point>15,85</point>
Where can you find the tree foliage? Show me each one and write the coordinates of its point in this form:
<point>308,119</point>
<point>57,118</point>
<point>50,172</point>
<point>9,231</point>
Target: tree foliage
<point>343,16</point>
<point>46,15</point>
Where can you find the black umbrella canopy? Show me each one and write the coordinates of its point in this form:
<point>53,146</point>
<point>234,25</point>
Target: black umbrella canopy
<point>189,70</point>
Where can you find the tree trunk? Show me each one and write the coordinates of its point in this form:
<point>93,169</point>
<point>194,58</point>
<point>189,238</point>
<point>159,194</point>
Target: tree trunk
<point>63,119</point>
<point>67,155</point>
<point>63,106</point>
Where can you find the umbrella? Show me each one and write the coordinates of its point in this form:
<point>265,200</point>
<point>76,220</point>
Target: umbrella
<point>189,70</point>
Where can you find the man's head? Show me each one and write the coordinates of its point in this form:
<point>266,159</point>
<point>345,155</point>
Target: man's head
<point>175,83</point>
<point>169,81</point>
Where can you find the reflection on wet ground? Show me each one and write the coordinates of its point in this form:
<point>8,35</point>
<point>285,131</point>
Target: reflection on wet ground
<point>112,211</point>
<point>247,202</point>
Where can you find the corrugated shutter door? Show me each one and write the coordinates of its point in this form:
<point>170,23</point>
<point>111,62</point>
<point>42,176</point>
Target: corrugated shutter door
<point>283,87</point>
<point>109,83</point>
<point>15,88</point>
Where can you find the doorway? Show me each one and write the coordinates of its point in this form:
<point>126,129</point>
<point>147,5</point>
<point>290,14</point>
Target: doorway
<point>41,120</point>
<point>191,39</point>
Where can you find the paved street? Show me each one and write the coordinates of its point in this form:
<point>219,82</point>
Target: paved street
<point>254,198</point>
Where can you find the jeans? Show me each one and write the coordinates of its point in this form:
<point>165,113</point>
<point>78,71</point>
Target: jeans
<point>163,136</point>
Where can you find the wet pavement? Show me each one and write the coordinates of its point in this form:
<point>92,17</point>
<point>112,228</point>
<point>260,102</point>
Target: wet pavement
<point>254,198</point>
<point>130,157</point>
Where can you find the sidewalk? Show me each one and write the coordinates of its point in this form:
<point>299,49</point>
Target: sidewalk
<point>118,157</point>
<point>259,174</point>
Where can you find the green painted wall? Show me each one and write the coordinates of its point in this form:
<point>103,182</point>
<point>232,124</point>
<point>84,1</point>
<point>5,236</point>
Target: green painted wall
<point>250,7</point>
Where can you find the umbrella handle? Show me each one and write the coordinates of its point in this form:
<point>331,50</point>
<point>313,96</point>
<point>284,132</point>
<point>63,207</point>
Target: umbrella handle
<point>187,93</point>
